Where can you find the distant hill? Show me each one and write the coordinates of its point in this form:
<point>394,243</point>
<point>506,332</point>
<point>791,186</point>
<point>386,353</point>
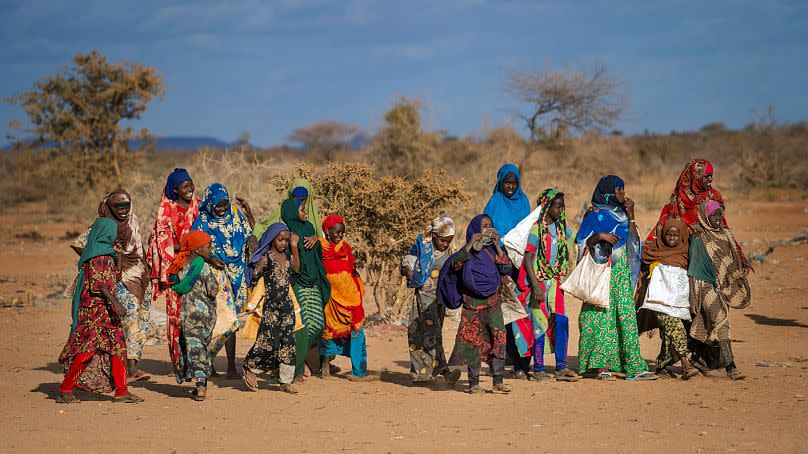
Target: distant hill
<point>190,143</point>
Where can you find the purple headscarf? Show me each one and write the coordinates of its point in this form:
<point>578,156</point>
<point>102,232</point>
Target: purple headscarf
<point>263,247</point>
<point>478,278</point>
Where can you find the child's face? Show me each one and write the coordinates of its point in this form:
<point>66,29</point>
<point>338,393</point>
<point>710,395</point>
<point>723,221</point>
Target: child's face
<point>336,233</point>
<point>281,242</point>
<point>302,213</point>
<point>486,223</point>
<point>555,209</point>
<point>442,242</point>
<point>715,218</point>
<point>203,251</point>
<point>672,237</point>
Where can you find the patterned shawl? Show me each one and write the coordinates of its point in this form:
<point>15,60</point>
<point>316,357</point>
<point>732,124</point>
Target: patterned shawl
<point>543,268</point>
<point>170,226</point>
<point>134,271</point>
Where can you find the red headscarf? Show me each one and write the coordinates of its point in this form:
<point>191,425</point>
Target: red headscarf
<point>690,190</point>
<point>192,240</point>
<point>331,220</point>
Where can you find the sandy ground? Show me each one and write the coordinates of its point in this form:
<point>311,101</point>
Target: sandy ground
<point>768,412</point>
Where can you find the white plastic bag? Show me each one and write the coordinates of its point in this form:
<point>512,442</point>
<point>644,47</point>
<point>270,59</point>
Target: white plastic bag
<point>515,241</point>
<point>669,291</point>
<point>589,282</point>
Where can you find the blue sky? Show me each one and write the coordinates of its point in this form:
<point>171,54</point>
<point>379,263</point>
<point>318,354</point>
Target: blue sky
<point>266,67</point>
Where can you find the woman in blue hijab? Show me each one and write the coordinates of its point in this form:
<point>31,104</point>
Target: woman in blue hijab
<point>508,204</point>
<point>230,230</point>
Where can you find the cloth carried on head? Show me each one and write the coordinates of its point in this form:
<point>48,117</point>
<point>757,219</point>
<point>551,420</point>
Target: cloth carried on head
<point>311,208</point>
<point>691,189</point>
<point>191,241</point>
<point>424,250</point>
<point>134,272</point>
<point>264,244</point>
<point>658,251</point>
<point>331,220</point>
<point>173,182</point>
<point>312,272</point>
<point>506,211</point>
<point>99,243</point>
<point>479,277</point>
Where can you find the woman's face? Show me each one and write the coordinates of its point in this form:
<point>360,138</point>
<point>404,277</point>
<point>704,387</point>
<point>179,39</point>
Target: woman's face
<point>185,191</point>
<point>303,215</point>
<point>672,237</point>
<point>715,218</point>
<point>708,180</point>
<point>620,195</point>
<point>120,205</point>
<point>442,242</point>
<point>555,209</point>
<point>336,233</point>
<point>486,223</point>
<point>281,242</point>
<point>509,185</point>
<point>221,208</point>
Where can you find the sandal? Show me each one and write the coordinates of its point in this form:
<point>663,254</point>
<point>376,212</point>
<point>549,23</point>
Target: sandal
<point>541,376</point>
<point>645,376</point>
<point>289,389</point>
<point>200,393</point>
<point>501,388</point>
<point>475,390</point>
<point>665,373</point>
<point>520,375</point>
<point>566,375</point>
<point>67,398</point>
<point>735,374</point>
<point>606,376</point>
<point>128,398</point>
<point>250,379</point>
<point>690,373</point>
<point>138,376</point>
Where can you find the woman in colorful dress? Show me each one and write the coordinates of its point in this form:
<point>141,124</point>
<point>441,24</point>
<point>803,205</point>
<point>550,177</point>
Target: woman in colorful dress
<point>421,266</point>
<point>609,340</point>
<point>310,285</point>
<point>176,213</point>
<point>472,277</point>
<point>232,241</point>
<point>133,289</point>
<point>718,282</point>
<point>546,262</point>
<point>299,189</point>
<point>662,296</point>
<point>94,357</point>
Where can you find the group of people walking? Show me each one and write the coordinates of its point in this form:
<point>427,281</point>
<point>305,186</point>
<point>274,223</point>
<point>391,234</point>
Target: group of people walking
<point>292,284</point>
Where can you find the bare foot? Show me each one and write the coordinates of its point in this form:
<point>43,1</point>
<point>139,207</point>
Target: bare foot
<point>250,380</point>
<point>289,389</point>
<point>300,379</point>
<point>232,374</point>
<point>67,398</point>
<point>128,398</point>
<point>501,388</point>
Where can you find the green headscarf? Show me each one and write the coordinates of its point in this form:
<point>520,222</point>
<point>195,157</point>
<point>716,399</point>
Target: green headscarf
<point>99,243</point>
<point>311,210</point>
<point>312,271</point>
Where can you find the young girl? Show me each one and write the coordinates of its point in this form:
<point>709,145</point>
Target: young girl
<point>193,280</point>
<point>663,294</point>
<point>718,281</point>
<point>274,348</point>
<point>421,267</point>
<point>95,354</point>
<point>472,277</point>
<point>344,315</point>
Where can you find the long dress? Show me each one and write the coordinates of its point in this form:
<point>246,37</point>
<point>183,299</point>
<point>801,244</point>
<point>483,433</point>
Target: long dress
<point>198,318</point>
<point>274,349</point>
<point>425,328</point>
<point>98,331</point>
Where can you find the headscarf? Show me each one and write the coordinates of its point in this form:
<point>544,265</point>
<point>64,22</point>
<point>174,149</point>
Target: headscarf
<point>99,243</point>
<point>331,220</point>
<point>229,231</point>
<point>134,272</point>
<point>543,269</point>
<point>608,215</point>
<point>505,211</point>
<point>711,207</point>
<point>424,250</point>
<point>311,209</point>
<point>174,180</point>
<point>312,272</point>
<point>192,240</point>
<point>264,244</point>
<point>299,192</point>
<point>660,252</point>
<point>691,189</point>
<point>479,277</point>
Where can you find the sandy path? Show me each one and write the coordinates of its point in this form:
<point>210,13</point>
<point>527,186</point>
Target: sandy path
<point>766,413</point>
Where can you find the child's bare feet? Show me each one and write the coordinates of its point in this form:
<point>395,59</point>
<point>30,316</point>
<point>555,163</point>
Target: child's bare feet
<point>128,398</point>
<point>67,398</point>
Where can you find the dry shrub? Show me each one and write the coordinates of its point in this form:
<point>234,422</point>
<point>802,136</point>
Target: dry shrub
<point>383,215</point>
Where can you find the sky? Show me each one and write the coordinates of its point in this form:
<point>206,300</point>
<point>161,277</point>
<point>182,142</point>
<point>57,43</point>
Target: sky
<point>267,67</point>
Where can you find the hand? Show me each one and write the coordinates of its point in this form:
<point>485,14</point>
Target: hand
<point>120,311</point>
<point>243,205</point>
<point>495,236</point>
<point>310,241</point>
<point>294,239</point>
<point>358,264</point>
<point>629,206</point>
<point>538,294</point>
<point>162,286</point>
<point>609,238</point>
<point>216,263</point>
<point>252,245</point>
<point>474,238</point>
<point>117,248</point>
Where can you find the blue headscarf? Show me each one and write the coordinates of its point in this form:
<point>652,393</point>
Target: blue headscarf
<point>229,231</point>
<point>175,179</point>
<point>267,238</point>
<point>505,211</point>
<point>479,277</point>
<point>424,252</point>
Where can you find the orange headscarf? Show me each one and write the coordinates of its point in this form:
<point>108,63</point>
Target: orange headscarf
<point>192,240</point>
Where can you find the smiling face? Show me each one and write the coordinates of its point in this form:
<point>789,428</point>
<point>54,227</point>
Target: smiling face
<point>281,242</point>
<point>120,205</point>
<point>185,191</point>
<point>715,218</point>
<point>671,237</point>
<point>203,251</point>
<point>442,242</point>
<point>336,233</point>
<point>221,208</point>
<point>510,184</point>
<point>555,209</point>
<point>303,215</point>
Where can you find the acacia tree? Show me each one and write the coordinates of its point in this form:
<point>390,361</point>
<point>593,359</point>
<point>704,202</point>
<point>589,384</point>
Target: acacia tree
<point>567,99</point>
<point>83,113</point>
<point>324,135</point>
<point>401,146</point>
